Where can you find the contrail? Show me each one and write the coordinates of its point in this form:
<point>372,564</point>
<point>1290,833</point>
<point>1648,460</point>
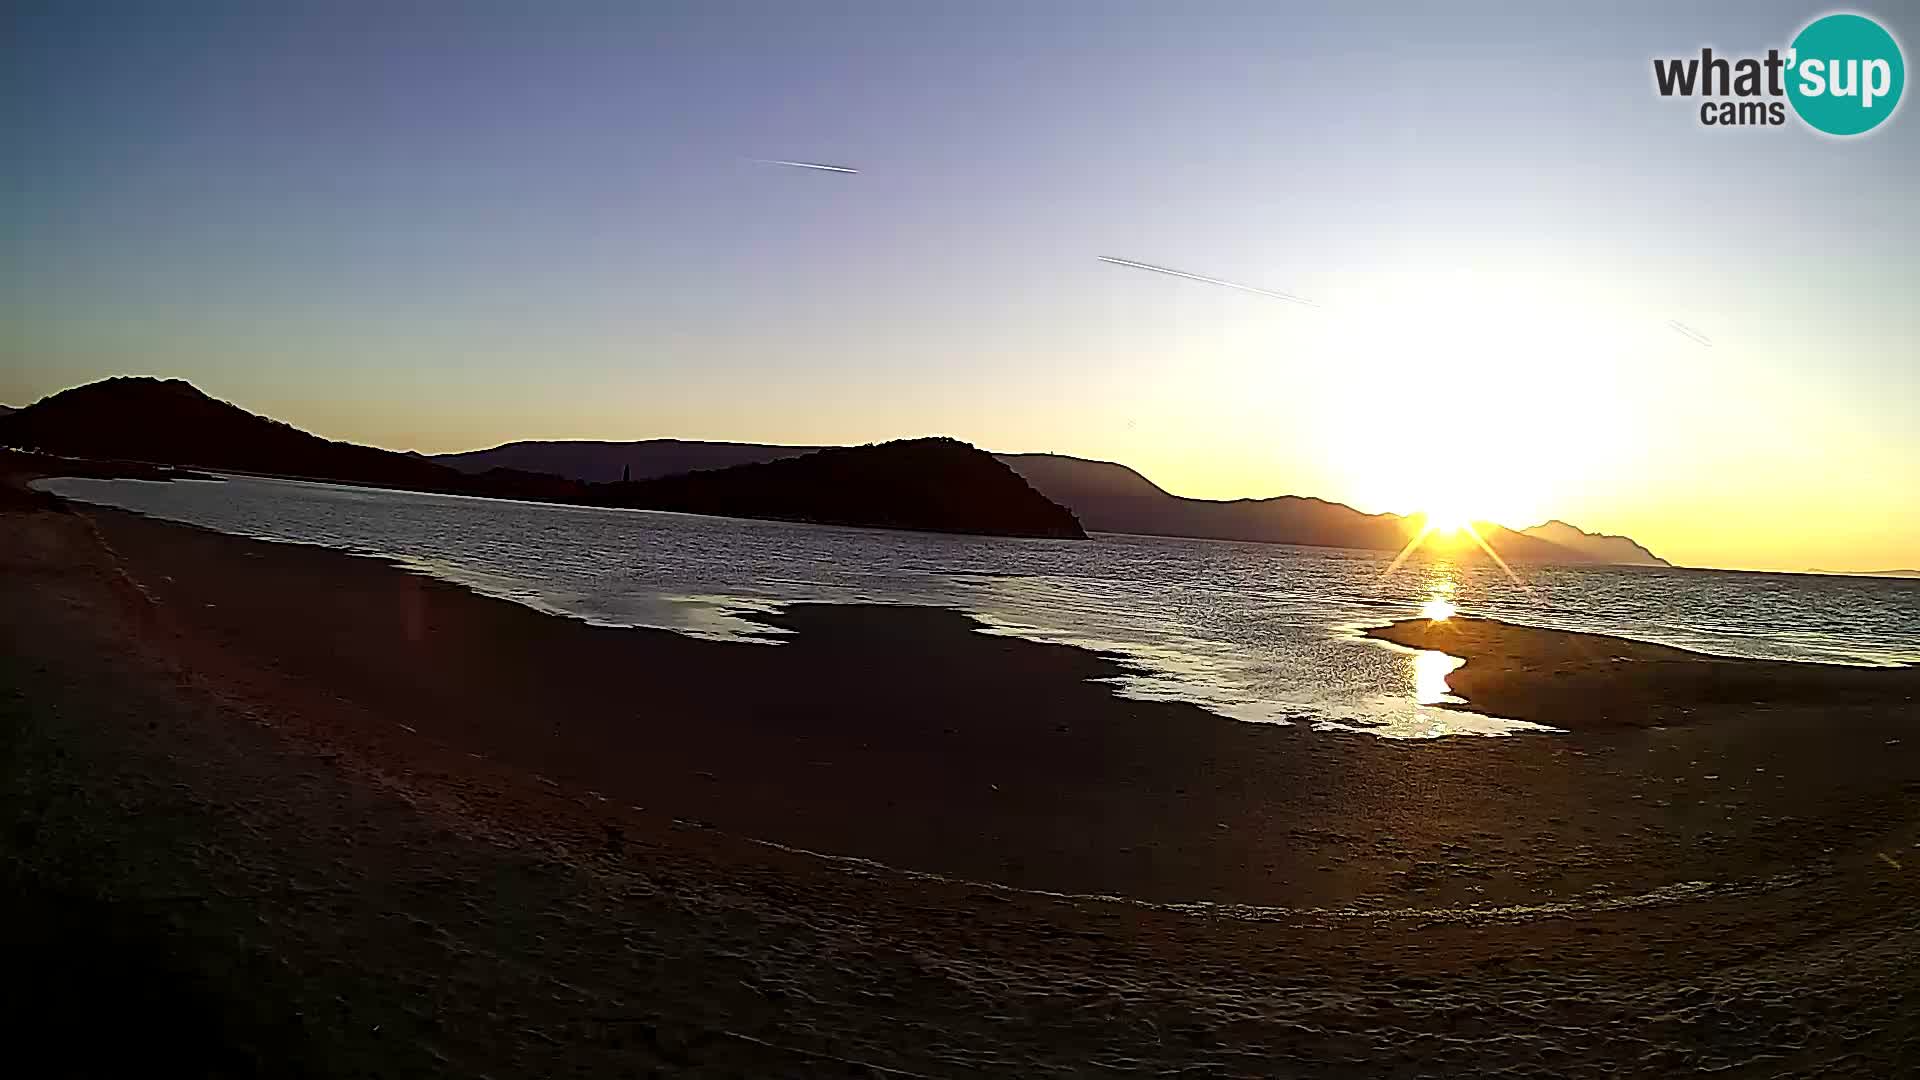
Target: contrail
<point>1209,280</point>
<point>808,165</point>
<point>1689,333</point>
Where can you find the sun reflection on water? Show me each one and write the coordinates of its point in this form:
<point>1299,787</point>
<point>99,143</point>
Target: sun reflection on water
<point>1430,671</point>
<point>1442,584</point>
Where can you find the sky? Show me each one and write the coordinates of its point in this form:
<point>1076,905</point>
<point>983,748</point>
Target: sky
<point>443,227</point>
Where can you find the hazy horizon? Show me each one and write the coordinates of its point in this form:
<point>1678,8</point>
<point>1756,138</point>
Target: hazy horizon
<point>447,232</point>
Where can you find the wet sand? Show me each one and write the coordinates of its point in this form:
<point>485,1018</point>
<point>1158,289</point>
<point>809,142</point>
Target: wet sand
<point>1590,681</point>
<point>427,830</point>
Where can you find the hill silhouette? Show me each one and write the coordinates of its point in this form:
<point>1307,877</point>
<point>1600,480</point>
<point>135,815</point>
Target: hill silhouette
<point>932,484</point>
<point>935,485</point>
<point>1602,547</point>
<point>1089,481</point>
<point>958,489</point>
<point>171,422</point>
<point>1109,497</point>
<point>1105,496</point>
<point>595,462</point>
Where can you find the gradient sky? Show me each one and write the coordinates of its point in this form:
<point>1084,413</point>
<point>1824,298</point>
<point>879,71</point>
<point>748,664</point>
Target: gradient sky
<point>425,230</point>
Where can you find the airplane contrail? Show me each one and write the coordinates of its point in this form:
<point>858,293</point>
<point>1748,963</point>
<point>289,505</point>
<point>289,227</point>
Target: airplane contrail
<point>1209,280</point>
<point>1689,333</point>
<point>808,165</point>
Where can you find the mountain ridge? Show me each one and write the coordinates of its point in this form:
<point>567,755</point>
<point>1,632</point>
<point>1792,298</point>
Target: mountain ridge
<point>936,484</point>
<point>600,461</point>
<point>122,418</point>
<point>1105,496</point>
<point>172,422</point>
<point>1604,547</point>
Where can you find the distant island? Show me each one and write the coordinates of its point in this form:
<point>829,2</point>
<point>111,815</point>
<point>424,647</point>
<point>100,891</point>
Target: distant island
<point>1105,496</point>
<point>940,485</point>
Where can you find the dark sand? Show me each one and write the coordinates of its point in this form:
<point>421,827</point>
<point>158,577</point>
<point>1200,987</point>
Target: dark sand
<point>281,809</point>
<point>1590,681</point>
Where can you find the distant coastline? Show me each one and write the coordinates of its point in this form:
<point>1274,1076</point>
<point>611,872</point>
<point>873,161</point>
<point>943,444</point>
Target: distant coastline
<point>901,485</point>
<point>1106,497</point>
<point>937,485</point>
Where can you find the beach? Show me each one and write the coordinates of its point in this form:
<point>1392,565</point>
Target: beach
<point>349,818</point>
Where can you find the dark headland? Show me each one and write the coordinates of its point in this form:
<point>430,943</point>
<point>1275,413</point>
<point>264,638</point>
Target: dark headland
<point>171,422</point>
<point>1105,496</point>
<point>930,484</point>
<point>935,485</point>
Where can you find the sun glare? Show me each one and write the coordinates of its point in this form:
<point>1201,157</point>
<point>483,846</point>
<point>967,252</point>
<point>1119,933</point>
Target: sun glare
<point>1438,610</point>
<point>1430,671</point>
<point>1454,504</point>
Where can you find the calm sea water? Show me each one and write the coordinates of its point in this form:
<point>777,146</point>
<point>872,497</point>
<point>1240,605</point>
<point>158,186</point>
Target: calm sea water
<point>1258,632</point>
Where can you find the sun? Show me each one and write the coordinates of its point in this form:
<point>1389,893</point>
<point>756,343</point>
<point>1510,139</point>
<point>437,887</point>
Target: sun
<point>1448,518</point>
<point>1450,528</point>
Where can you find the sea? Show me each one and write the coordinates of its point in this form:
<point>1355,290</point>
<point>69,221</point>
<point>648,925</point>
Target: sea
<point>1262,633</point>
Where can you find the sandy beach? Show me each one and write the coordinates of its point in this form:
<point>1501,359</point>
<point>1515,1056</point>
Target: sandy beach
<point>334,817</point>
<point>713,541</point>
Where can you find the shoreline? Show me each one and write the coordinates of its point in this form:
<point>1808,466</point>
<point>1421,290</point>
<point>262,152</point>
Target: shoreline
<point>900,734</point>
<point>1485,871</point>
<point>1532,673</point>
<point>21,466</point>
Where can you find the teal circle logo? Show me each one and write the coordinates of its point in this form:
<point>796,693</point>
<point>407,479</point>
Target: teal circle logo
<point>1845,74</point>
